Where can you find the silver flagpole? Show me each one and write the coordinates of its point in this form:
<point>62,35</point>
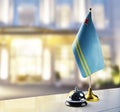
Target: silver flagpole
<point>90,81</point>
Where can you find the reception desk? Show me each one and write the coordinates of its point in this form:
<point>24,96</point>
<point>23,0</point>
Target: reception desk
<point>109,102</point>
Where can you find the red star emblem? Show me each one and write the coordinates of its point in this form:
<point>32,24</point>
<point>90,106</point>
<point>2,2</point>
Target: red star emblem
<point>86,21</point>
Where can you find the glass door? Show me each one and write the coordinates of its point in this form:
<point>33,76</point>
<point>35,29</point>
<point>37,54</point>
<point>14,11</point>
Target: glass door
<point>64,65</point>
<point>26,59</point>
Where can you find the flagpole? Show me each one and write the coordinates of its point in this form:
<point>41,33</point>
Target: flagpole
<point>90,96</point>
<point>90,81</point>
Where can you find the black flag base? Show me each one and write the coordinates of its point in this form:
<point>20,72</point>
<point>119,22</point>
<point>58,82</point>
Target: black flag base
<point>76,98</point>
<point>90,96</point>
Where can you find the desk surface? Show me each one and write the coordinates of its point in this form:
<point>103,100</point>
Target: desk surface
<point>109,102</point>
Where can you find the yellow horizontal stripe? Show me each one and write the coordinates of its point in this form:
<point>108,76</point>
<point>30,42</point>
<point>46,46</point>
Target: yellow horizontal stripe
<point>84,60</point>
<point>81,61</point>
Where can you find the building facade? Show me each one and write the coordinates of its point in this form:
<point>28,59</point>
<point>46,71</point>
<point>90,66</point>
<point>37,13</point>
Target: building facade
<point>36,38</point>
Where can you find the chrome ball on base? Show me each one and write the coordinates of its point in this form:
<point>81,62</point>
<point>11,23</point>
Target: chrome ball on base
<point>76,98</point>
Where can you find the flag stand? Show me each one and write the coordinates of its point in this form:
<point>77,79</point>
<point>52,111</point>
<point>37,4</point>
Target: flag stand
<point>90,96</point>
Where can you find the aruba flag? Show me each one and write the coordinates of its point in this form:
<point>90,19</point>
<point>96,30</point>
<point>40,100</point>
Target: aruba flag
<point>86,48</point>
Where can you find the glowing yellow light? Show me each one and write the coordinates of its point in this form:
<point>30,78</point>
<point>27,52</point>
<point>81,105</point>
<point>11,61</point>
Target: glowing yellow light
<point>4,64</point>
<point>47,65</point>
<point>26,58</point>
<point>64,52</point>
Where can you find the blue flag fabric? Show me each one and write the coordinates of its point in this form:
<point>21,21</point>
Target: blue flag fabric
<point>86,48</point>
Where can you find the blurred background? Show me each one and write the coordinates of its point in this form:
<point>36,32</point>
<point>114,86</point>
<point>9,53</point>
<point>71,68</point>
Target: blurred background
<point>36,38</point>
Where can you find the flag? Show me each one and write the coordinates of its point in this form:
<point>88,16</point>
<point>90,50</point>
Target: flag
<point>86,48</point>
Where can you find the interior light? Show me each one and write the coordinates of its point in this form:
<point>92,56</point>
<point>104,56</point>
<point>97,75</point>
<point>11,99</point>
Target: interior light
<point>47,65</point>
<point>4,64</point>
